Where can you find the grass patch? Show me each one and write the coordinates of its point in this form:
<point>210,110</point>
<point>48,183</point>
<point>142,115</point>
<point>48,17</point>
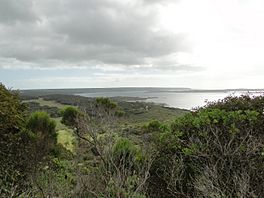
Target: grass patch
<point>65,136</point>
<point>49,103</point>
<point>67,139</point>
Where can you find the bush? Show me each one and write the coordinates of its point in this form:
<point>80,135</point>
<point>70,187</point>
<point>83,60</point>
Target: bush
<point>40,122</point>
<point>216,151</point>
<point>43,127</point>
<point>70,116</point>
<point>155,126</point>
<point>106,103</point>
<point>125,153</point>
<point>14,144</point>
<point>57,179</point>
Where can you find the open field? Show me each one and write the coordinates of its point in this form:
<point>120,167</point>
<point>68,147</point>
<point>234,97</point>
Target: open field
<point>49,103</point>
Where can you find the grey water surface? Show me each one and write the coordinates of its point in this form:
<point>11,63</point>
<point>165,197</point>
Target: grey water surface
<point>178,98</point>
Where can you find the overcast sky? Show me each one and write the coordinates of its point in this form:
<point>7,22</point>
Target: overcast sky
<point>117,43</point>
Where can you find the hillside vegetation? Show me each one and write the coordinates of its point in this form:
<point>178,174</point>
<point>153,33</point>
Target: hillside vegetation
<point>71,146</point>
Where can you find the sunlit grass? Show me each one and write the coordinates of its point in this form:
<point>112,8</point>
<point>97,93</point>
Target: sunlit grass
<point>65,136</point>
<point>67,139</point>
<point>49,103</point>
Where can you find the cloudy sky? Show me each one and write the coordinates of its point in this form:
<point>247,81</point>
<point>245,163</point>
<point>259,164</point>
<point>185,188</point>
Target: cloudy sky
<point>117,43</point>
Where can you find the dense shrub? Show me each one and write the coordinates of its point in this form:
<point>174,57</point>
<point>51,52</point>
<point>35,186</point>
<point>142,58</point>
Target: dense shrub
<point>40,122</point>
<point>155,126</point>
<point>56,179</point>
<point>129,170</point>
<point>126,154</point>
<point>216,151</point>
<point>14,144</point>
<point>70,116</point>
<point>43,127</point>
<point>106,103</point>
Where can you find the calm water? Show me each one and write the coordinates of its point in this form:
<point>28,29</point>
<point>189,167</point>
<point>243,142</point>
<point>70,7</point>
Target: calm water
<point>186,100</point>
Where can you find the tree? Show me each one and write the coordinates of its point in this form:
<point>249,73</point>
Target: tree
<point>14,144</point>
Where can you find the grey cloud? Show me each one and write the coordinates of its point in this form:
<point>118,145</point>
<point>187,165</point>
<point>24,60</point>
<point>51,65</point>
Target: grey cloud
<point>12,11</point>
<point>158,1</point>
<point>181,68</point>
<point>76,31</point>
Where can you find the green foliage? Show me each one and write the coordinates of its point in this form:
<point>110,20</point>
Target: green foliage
<point>119,113</point>
<point>124,152</point>
<point>155,126</point>
<point>59,151</point>
<point>43,127</point>
<point>105,103</point>
<point>40,122</point>
<point>14,144</point>
<point>215,147</point>
<point>35,106</point>
<point>124,146</point>
<point>70,116</point>
<point>215,151</point>
<point>12,112</point>
<point>128,163</point>
<point>234,103</point>
<point>126,191</point>
<point>56,179</point>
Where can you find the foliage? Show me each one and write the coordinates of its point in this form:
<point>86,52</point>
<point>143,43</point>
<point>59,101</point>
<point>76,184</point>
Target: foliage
<point>106,103</point>
<point>35,106</point>
<point>119,113</point>
<point>66,138</point>
<point>124,151</point>
<point>155,126</point>
<point>56,179</point>
<point>117,168</point>
<point>43,128</point>
<point>61,152</point>
<point>40,122</point>
<point>215,151</point>
<point>14,144</point>
<point>70,116</point>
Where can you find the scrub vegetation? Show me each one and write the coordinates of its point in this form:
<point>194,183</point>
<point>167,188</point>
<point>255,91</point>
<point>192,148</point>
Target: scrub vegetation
<point>72,146</point>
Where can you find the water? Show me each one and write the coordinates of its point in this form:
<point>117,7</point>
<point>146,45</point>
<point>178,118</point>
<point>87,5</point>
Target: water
<point>172,98</point>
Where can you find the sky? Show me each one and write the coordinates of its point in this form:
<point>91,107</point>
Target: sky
<point>205,44</point>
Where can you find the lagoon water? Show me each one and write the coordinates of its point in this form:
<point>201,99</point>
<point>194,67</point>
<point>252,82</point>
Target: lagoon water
<point>186,99</point>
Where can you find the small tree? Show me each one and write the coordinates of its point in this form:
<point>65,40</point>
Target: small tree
<point>43,128</point>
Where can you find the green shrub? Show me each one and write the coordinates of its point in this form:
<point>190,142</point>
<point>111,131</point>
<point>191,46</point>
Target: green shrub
<point>126,152</point>
<point>43,127</point>
<point>59,151</point>
<point>155,126</point>
<point>70,116</point>
<point>56,179</point>
<point>15,142</point>
<point>119,113</point>
<point>106,103</point>
<point>40,122</point>
<point>214,151</point>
